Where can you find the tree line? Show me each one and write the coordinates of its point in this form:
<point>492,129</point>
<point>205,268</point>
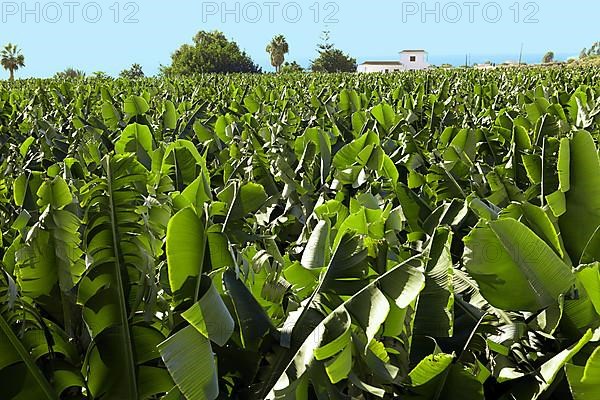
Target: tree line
<point>592,52</point>
<point>212,52</point>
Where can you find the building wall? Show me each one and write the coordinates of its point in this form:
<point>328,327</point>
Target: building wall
<point>484,66</point>
<point>419,63</point>
<point>379,68</point>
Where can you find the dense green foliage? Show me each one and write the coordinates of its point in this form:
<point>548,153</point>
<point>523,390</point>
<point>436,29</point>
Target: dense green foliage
<point>210,52</point>
<point>331,59</point>
<point>134,72</point>
<point>288,68</point>
<point>70,73</point>
<point>430,235</point>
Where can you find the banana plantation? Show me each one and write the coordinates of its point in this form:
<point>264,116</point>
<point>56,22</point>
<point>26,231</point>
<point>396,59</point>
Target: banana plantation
<point>425,235</point>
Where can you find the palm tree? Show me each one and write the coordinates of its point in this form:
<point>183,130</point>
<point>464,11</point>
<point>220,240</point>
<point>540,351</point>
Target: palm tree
<point>12,59</point>
<point>278,48</point>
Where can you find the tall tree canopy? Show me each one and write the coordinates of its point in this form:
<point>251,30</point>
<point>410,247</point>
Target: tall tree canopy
<point>331,59</point>
<point>134,72</point>
<point>70,73</point>
<point>210,52</point>
<point>12,59</point>
<point>548,57</point>
<point>278,48</point>
<point>592,51</point>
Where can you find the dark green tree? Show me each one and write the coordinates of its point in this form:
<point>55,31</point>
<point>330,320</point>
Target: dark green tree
<point>291,68</point>
<point>135,72</point>
<point>331,59</point>
<point>70,73</point>
<point>548,57</point>
<point>100,75</point>
<point>210,52</point>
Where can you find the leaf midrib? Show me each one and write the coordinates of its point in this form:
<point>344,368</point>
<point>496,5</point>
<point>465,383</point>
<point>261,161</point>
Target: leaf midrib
<point>125,334</point>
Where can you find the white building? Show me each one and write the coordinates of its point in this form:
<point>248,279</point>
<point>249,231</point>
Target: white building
<point>484,66</point>
<point>380,66</point>
<point>410,60</point>
<point>510,64</point>
<point>414,59</point>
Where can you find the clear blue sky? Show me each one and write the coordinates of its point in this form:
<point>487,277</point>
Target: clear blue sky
<point>66,35</point>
